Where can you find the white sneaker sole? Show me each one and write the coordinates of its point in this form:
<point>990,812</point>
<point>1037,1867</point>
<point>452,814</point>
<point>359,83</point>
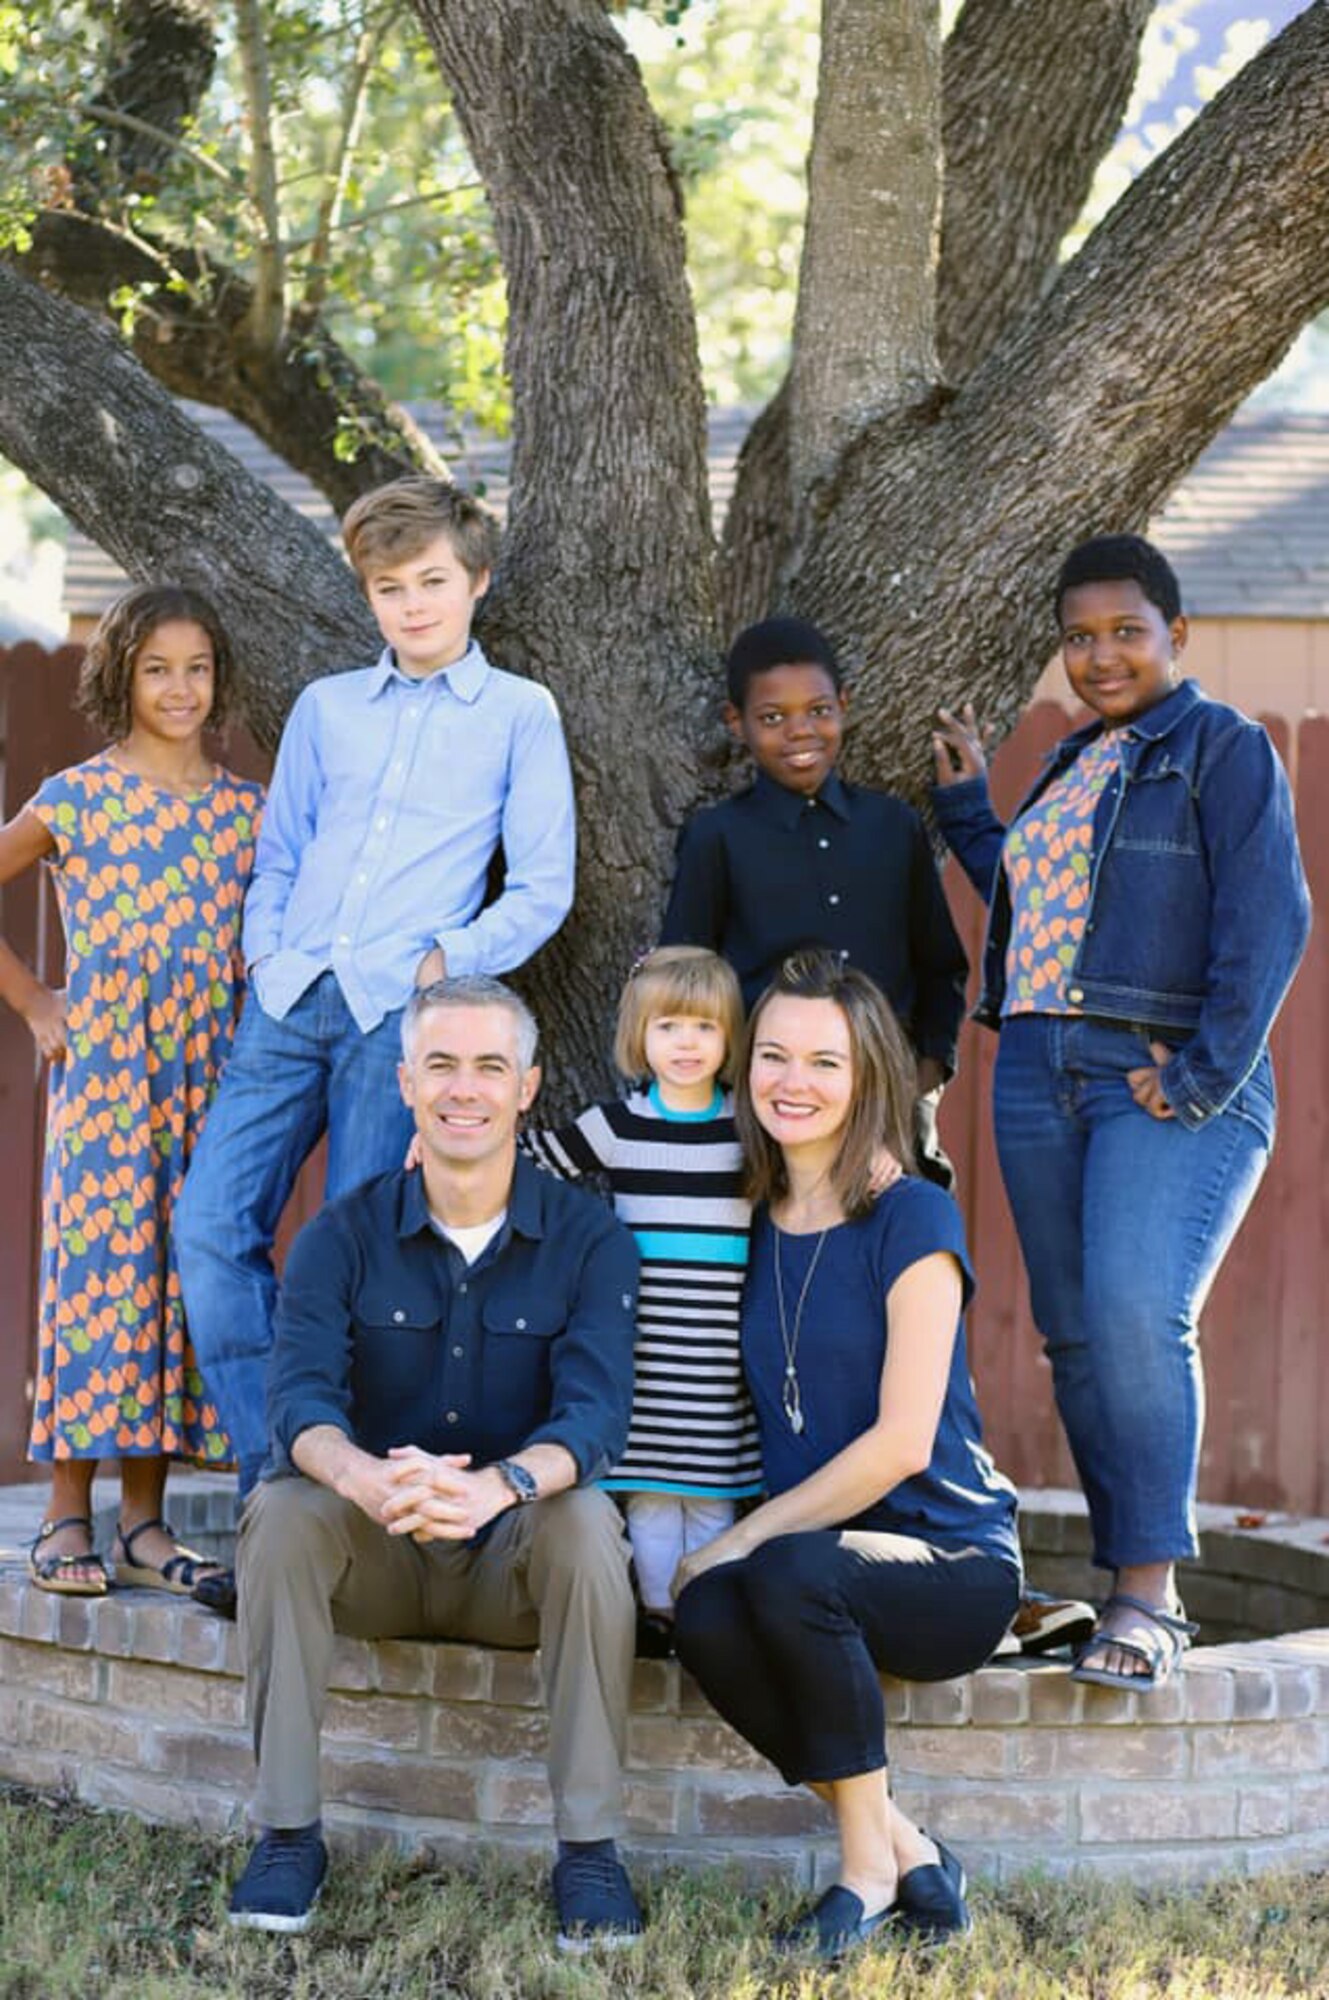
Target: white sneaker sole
<point>273,1921</point>
<point>576,1944</point>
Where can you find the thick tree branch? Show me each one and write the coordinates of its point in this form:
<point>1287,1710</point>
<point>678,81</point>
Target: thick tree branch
<point>114,452</point>
<point>1014,182</point>
<point>1085,414</point>
<point>300,400</point>
<point>863,334</point>
<point>1033,96</point>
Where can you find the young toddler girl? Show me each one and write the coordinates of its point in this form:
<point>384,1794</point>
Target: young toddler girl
<point>151,845</point>
<point>669,1154</point>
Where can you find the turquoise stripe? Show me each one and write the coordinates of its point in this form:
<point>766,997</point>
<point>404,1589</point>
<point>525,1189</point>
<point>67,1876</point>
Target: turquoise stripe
<point>682,1246</point>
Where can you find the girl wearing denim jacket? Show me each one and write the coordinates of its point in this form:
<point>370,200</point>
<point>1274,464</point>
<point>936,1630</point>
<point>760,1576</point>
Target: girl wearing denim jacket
<point>1147,912</point>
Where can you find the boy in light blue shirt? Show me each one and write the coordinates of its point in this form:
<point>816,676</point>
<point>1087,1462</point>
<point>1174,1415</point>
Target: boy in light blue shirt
<point>394,788</point>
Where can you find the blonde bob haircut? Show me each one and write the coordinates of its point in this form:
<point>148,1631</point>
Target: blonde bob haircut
<point>391,524</point>
<point>677,979</point>
<point>881,1106</point>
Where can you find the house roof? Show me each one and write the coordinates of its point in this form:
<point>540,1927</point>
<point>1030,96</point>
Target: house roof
<point>1247,529</point>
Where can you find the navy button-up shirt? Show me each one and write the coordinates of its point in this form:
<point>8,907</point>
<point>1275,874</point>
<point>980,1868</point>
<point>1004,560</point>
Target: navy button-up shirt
<point>386,1332</point>
<point>772,871</point>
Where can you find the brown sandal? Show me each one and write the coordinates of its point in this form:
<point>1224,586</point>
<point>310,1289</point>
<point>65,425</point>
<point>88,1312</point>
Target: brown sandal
<point>54,1572</point>
<point>178,1574</point>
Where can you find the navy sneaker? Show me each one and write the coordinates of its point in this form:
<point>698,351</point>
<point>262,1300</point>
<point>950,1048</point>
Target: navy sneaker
<point>834,1926</point>
<point>931,1899</point>
<point>594,1899</point>
<point>281,1882</point>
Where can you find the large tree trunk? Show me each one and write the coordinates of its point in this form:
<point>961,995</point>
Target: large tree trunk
<point>605,589</point>
<point>81,418</point>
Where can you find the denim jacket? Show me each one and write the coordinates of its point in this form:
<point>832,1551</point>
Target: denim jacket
<point>1198,907</point>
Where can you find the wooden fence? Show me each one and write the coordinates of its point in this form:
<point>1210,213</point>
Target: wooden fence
<point>1266,1329</point>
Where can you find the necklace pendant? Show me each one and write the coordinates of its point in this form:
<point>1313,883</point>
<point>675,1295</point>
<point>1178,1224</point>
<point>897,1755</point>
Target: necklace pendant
<point>793,1406</point>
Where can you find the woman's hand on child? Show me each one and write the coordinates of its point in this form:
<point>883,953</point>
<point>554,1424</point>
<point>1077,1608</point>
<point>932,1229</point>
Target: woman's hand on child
<point>415,1152</point>
<point>959,745</point>
<point>46,1018</point>
<point>725,1548</point>
<point>1147,1083</point>
<point>432,967</point>
<point>886,1170</point>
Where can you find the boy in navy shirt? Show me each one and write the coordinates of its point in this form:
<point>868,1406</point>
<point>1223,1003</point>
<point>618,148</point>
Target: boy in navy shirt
<point>805,859</point>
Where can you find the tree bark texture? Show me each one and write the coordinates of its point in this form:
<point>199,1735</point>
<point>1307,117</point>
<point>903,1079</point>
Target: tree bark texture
<point>1013,183</point>
<point>605,592</point>
<point>864,329</point>
<point>296,397</point>
<point>1034,93</point>
<point>82,419</point>
<point>933,558</point>
<point>163,54</point>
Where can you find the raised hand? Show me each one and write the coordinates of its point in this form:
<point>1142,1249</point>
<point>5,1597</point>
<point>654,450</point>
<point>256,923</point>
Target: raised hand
<point>959,745</point>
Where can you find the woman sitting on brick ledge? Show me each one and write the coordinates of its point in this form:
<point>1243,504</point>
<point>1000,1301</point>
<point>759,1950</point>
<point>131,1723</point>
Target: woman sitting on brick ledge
<point>888,1542</point>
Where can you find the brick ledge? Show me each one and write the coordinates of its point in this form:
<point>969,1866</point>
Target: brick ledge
<point>136,1702</point>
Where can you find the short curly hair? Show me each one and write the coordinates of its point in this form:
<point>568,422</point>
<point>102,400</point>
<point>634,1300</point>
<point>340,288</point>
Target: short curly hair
<point>1122,559</point>
<point>107,675</point>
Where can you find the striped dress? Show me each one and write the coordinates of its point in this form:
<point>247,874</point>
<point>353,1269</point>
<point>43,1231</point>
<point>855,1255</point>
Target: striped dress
<point>676,1181</point>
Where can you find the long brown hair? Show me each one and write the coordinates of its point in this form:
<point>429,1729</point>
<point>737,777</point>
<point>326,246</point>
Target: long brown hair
<point>882,1068</point>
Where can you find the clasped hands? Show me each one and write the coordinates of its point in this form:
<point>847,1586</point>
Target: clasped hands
<point>431,1498</point>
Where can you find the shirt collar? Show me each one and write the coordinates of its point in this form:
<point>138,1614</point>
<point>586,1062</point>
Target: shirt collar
<point>1156,722</point>
<point>787,808</point>
<point>525,1202</point>
<point>465,677</point>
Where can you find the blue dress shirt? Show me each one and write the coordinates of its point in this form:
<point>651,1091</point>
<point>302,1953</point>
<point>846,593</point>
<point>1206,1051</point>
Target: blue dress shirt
<point>386,1332</point>
<point>389,799</point>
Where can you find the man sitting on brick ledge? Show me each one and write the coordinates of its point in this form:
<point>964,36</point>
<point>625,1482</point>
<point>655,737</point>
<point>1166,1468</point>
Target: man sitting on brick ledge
<point>452,1365</point>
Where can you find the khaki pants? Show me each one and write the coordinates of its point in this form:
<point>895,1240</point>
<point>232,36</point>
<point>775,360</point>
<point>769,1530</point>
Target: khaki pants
<point>555,1574</point>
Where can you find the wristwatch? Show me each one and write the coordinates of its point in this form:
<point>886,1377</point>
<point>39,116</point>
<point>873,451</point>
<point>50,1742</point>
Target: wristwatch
<point>518,1480</point>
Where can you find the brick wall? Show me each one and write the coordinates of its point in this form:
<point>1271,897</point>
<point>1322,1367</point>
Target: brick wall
<point>136,1702</point>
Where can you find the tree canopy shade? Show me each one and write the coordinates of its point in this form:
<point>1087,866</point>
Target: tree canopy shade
<point>958,408</point>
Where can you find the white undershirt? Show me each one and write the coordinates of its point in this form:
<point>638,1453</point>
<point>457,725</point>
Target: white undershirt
<point>472,1242</point>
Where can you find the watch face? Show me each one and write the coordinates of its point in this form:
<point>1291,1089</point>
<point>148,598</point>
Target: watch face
<point>520,1480</point>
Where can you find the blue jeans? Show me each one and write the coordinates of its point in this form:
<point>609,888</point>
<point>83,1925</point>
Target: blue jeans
<point>1123,1221</point>
<point>286,1082</point>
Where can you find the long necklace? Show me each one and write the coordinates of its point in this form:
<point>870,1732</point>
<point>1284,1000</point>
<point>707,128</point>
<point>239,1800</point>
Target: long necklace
<point>789,1392</point>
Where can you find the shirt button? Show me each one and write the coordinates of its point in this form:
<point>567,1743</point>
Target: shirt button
<point>463,1286</point>
<point>832,899</point>
<point>381,821</point>
<point>344,938</point>
<point>823,843</point>
<point>452,1416</point>
<point>843,956</point>
<point>1076,994</point>
<point>459,1351</point>
<point>398,1317</point>
<point>521,1326</point>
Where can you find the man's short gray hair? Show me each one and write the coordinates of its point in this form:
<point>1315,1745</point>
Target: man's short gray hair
<point>474,989</point>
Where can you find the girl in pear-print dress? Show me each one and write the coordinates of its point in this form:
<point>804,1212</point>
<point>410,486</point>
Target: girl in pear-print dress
<point>150,845</point>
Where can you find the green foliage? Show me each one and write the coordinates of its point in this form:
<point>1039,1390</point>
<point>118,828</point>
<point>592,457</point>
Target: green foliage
<point>734,82</point>
<point>391,237</point>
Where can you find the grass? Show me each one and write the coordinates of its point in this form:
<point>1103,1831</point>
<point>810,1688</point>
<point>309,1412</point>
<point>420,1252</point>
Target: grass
<point>96,1907</point>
